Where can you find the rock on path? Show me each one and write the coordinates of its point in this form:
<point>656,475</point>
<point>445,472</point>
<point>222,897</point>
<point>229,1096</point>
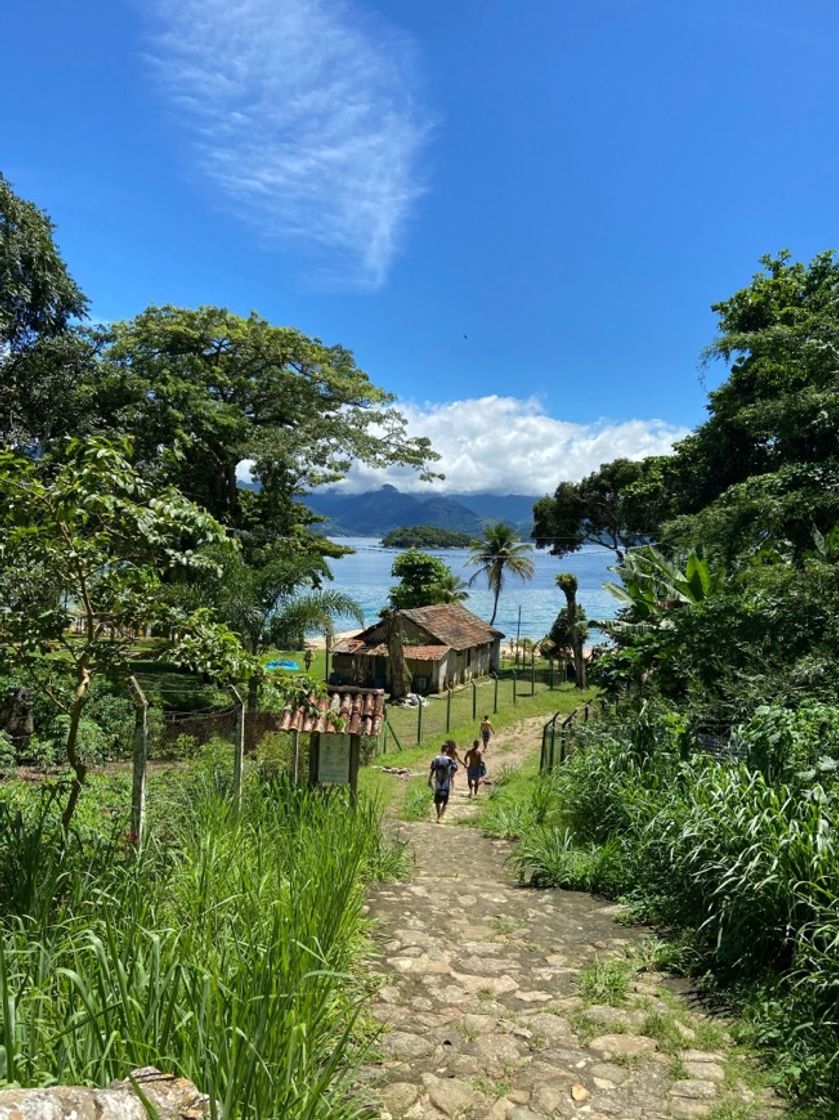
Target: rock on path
<point>482,1015</point>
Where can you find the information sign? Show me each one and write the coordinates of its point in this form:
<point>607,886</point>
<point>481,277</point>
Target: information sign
<point>334,759</point>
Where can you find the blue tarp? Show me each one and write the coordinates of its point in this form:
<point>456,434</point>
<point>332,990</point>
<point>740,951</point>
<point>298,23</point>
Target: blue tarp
<point>283,664</point>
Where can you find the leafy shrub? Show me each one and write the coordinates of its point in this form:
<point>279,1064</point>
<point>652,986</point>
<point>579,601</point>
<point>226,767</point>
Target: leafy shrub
<point>785,744</point>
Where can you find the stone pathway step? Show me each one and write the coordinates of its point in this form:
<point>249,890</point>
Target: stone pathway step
<point>484,1015</point>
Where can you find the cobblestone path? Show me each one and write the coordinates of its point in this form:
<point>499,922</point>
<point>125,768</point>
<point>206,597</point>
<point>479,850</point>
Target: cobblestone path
<point>492,1006</point>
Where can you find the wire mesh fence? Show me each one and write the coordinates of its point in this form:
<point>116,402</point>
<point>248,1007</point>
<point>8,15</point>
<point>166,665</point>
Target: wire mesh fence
<point>437,715</point>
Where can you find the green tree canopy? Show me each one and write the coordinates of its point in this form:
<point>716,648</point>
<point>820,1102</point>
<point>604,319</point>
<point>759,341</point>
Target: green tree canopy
<point>780,402</point>
<point>38,296</point>
<point>617,507</point>
<point>84,552</point>
<point>423,580</point>
<point>214,389</point>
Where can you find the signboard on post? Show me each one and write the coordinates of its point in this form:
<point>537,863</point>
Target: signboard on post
<point>334,759</point>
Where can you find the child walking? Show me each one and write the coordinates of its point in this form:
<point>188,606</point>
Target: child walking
<point>486,730</point>
<point>475,767</point>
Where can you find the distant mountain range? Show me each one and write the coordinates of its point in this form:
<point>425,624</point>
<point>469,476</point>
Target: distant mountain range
<point>376,512</point>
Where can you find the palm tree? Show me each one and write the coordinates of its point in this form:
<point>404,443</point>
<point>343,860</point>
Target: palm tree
<point>575,621</point>
<point>500,553</point>
<point>450,588</point>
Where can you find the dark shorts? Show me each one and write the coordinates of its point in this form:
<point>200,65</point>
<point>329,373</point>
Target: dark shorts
<point>485,736</point>
<point>473,773</point>
<point>441,796</point>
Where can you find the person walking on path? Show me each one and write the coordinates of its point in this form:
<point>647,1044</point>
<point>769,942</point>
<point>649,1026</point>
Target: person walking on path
<point>486,730</point>
<point>475,767</point>
<point>440,777</point>
<point>451,746</point>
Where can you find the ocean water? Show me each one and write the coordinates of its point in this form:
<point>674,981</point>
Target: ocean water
<point>365,574</point>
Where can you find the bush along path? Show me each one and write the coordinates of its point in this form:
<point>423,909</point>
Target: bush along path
<point>509,1003</point>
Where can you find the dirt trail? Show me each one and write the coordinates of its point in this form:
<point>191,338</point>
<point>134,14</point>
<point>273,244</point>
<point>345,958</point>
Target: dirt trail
<point>483,1009</point>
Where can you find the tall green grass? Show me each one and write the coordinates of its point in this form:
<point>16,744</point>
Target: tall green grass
<point>740,859</point>
<point>225,952</point>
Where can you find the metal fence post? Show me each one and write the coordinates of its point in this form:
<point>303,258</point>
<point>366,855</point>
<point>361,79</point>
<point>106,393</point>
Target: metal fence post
<point>141,753</point>
<point>495,696</point>
<point>551,674</point>
<point>532,679</point>
<point>238,750</point>
<point>515,689</point>
<point>474,701</point>
<point>419,721</point>
<point>449,709</point>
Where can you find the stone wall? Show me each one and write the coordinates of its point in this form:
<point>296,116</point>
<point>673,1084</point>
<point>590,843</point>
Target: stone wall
<point>171,1098</point>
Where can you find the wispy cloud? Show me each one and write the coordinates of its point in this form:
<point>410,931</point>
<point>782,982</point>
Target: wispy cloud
<point>509,445</point>
<point>302,115</point>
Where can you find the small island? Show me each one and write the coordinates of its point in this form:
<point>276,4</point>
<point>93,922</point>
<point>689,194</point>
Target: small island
<point>426,536</point>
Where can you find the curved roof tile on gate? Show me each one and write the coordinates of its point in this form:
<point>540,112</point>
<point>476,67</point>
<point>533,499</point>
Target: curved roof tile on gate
<point>360,710</point>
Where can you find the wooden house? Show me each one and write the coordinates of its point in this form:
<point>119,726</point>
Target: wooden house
<point>445,645</point>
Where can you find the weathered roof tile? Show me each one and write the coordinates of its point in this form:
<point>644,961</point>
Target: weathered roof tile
<point>360,710</point>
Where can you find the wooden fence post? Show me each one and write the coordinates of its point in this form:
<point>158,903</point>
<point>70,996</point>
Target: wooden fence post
<point>141,753</point>
<point>474,701</point>
<point>449,709</point>
<point>419,720</point>
<point>295,738</point>
<point>238,750</point>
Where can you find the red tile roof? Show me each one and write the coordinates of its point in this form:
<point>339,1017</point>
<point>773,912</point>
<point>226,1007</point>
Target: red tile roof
<point>361,711</point>
<point>454,625</point>
<point>425,653</point>
<point>413,653</point>
<point>449,625</point>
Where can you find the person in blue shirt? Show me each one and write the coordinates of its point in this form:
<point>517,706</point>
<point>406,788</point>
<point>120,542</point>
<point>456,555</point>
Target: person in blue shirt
<point>440,777</point>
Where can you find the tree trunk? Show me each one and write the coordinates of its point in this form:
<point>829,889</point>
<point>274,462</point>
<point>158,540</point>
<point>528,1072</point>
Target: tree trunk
<point>73,756</point>
<point>576,637</point>
<point>400,676</point>
<point>495,606</point>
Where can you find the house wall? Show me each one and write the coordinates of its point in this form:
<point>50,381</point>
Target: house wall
<point>457,667</point>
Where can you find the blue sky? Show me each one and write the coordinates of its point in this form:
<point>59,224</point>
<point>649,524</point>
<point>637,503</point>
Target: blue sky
<point>568,185</point>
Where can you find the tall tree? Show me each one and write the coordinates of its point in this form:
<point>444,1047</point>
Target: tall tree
<point>780,402</point>
<point>617,507</point>
<point>567,583</point>
<point>85,549</point>
<point>40,357</point>
<point>38,296</point>
<point>214,389</point>
<point>498,555</point>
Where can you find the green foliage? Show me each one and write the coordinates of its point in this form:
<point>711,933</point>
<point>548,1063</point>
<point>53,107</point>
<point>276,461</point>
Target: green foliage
<point>417,803</point>
<point>617,507</point>
<point>426,536</point>
<point>223,953</point>
<point>606,981</point>
<point>37,294</point>
<point>498,555</point>
<point>738,858</point>
<point>214,388</point>
<point>86,542</point>
<point>423,580</point>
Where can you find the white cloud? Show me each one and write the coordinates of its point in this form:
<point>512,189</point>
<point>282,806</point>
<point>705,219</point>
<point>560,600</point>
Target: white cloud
<point>302,116</point>
<point>512,446</point>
